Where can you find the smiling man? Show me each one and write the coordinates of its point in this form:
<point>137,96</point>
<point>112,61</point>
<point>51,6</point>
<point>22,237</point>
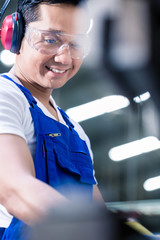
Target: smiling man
<point>45,157</point>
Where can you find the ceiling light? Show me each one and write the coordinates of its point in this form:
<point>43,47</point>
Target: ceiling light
<point>134,148</point>
<point>152,184</point>
<point>7,58</point>
<point>143,97</point>
<point>98,107</point>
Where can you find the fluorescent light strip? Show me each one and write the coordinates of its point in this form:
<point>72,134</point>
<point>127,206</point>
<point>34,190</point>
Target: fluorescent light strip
<point>143,97</point>
<point>152,184</point>
<point>98,107</point>
<point>134,148</point>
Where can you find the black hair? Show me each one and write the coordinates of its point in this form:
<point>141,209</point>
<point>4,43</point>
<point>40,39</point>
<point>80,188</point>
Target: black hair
<point>29,9</point>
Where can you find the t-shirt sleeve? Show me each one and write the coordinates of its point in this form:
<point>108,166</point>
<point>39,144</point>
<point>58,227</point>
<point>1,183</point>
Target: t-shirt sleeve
<point>11,109</point>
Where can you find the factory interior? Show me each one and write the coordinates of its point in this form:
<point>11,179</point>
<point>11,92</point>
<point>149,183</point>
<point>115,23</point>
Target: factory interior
<point>115,98</point>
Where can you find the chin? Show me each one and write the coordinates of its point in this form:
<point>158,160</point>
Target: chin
<point>57,85</point>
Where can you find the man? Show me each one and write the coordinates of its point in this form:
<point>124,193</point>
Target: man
<point>45,157</point>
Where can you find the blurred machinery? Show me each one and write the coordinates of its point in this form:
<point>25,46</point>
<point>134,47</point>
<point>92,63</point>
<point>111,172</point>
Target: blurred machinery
<point>89,221</point>
<point>131,48</point>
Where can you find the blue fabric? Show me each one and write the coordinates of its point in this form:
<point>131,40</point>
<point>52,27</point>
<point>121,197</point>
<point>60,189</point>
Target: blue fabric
<point>62,159</point>
<point>17,231</point>
<point>1,232</point>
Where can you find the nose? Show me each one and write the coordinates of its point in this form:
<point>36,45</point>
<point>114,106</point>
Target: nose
<point>63,55</point>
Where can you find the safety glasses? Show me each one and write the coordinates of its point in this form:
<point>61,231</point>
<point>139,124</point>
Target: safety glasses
<point>53,42</point>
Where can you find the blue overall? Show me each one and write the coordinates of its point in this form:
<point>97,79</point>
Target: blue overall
<point>62,159</point>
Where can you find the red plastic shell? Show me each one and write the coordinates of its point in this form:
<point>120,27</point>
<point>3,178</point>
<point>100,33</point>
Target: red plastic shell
<point>6,32</point>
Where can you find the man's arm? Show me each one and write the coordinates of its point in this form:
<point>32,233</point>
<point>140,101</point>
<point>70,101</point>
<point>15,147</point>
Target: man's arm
<point>97,197</point>
<point>24,196</point>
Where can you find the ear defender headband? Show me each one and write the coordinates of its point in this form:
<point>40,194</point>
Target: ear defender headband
<point>11,32</point>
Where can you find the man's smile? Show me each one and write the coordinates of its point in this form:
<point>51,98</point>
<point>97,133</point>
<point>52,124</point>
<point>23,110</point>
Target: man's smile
<point>56,70</point>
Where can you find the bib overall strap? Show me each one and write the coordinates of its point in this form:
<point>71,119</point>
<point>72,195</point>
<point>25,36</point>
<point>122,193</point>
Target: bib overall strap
<point>66,118</point>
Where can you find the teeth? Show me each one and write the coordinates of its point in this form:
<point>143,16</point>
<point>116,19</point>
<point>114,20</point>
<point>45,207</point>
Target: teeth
<point>56,71</point>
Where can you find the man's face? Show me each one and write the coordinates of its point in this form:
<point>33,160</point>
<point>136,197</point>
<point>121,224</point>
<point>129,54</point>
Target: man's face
<point>53,70</point>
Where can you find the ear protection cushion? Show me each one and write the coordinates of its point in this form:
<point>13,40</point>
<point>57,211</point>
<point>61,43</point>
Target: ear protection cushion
<point>12,32</point>
<point>18,32</point>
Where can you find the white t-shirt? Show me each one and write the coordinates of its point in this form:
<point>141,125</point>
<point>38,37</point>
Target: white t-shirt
<point>15,118</point>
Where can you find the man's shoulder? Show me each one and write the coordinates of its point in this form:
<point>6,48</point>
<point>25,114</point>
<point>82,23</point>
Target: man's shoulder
<point>8,87</point>
<point>12,95</point>
<point>5,80</point>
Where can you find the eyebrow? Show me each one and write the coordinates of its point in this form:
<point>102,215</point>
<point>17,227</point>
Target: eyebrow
<point>50,30</point>
<point>58,32</point>
<point>53,31</point>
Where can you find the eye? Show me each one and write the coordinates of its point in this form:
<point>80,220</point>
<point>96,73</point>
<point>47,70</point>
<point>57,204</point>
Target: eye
<point>75,45</point>
<point>51,41</point>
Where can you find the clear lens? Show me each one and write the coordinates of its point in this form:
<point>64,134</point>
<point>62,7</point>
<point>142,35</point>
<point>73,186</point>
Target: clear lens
<point>50,42</point>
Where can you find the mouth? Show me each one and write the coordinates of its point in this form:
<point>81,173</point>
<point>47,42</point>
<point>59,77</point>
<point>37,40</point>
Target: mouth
<point>54,70</point>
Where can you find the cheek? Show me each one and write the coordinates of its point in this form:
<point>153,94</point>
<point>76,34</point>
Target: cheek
<point>31,59</point>
<point>77,64</point>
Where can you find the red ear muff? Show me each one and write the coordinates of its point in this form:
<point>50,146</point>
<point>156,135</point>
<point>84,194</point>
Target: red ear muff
<point>6,32</point>
<point>12,32</point>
